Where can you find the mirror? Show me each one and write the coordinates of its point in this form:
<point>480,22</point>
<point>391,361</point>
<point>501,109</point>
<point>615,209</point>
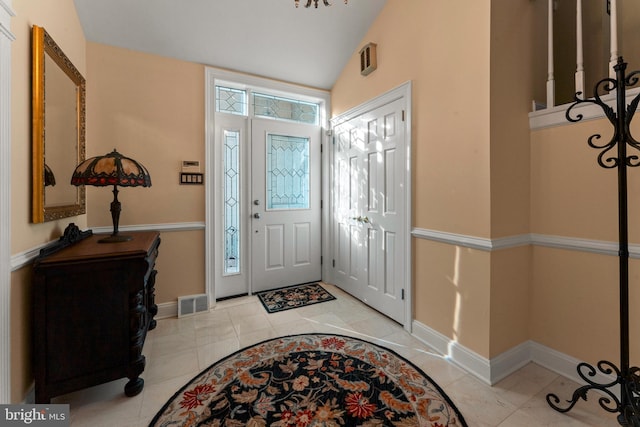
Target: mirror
<point>58,133</point>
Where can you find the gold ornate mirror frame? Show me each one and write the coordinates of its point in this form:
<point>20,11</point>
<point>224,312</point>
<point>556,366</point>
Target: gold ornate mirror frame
<point>58,131</point>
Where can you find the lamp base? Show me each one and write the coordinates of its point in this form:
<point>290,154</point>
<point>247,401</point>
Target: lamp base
<point>115,238</point>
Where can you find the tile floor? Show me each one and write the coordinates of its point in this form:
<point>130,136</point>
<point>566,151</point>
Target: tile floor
<point>180,348</point>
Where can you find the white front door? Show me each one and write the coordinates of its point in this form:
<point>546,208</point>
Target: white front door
<point>369,227</point>
<point>285,204</point>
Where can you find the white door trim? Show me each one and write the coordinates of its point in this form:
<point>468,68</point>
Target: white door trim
<point>401,92</point>
<point>6,37</point>
<point>213,75</point>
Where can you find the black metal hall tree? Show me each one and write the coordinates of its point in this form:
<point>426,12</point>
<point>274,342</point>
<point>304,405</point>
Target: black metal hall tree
<point>627,404</point>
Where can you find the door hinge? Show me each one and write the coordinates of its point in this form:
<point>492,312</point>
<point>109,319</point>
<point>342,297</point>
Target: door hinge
<point>320,204</point>
<point>329,132</point>
<point>403,294</point>
<point>321,148</point>
<point>403,115</point>
<point>333,263</point>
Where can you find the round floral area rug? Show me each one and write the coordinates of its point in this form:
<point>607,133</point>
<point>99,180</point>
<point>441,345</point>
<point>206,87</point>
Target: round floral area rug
<point>311,380</point>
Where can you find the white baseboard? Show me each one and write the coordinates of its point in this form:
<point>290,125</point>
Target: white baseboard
<point>166,310</point>
<point>565,365</point>
<point>510,361</point>
<point>493,370</point>
<point>452,350</point>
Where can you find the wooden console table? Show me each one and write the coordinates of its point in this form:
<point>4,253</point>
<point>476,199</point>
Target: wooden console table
<point>93,305</point>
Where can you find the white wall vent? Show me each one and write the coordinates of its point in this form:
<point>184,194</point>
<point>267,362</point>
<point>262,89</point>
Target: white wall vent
<point>192,304</point>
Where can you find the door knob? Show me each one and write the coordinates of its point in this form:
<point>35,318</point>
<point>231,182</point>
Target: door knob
<point>362,219</point>
<point>256,215</point>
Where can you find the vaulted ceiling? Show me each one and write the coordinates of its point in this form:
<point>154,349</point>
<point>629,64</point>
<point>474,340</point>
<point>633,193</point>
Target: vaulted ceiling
<point>269,38</point>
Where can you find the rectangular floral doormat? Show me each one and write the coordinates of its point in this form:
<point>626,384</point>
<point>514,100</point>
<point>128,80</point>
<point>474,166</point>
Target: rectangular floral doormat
<point>293,297</point>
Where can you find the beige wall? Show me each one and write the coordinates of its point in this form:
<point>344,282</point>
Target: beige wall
<point>571,195</point>
<point>574,293</point>
<point>575,308</point>
<point>151,109</point>
<point>21,327</point>
<point>477,171</point>
<point>60,20</point>
<point>498,179</point>
<point>451,286</point>
<point>470,153</point>
<point>180,265</point>
<point>510,298</point>
<point>429,43</point>
<point>575,303</point>
<point>511,94</point>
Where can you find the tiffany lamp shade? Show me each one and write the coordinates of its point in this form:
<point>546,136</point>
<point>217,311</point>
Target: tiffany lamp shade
<point>112,169</point>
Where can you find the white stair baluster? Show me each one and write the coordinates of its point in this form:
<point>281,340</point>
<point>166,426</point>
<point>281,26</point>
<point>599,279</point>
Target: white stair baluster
<point>613,38</point>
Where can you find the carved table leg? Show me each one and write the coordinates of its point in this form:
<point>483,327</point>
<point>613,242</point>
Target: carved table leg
<point>42,397</point>
<point>137,332</point>
<point>151,294</point>
<point>134,386</point>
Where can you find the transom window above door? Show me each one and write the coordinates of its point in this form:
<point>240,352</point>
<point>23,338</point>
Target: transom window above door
<point>236,101</point>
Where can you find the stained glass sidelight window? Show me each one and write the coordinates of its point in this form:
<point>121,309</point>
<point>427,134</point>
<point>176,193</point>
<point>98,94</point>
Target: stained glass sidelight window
<point>287,172</point>
<point>231,202</point>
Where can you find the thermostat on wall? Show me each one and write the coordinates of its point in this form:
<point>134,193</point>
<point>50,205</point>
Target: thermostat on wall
<point>191,166</point>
